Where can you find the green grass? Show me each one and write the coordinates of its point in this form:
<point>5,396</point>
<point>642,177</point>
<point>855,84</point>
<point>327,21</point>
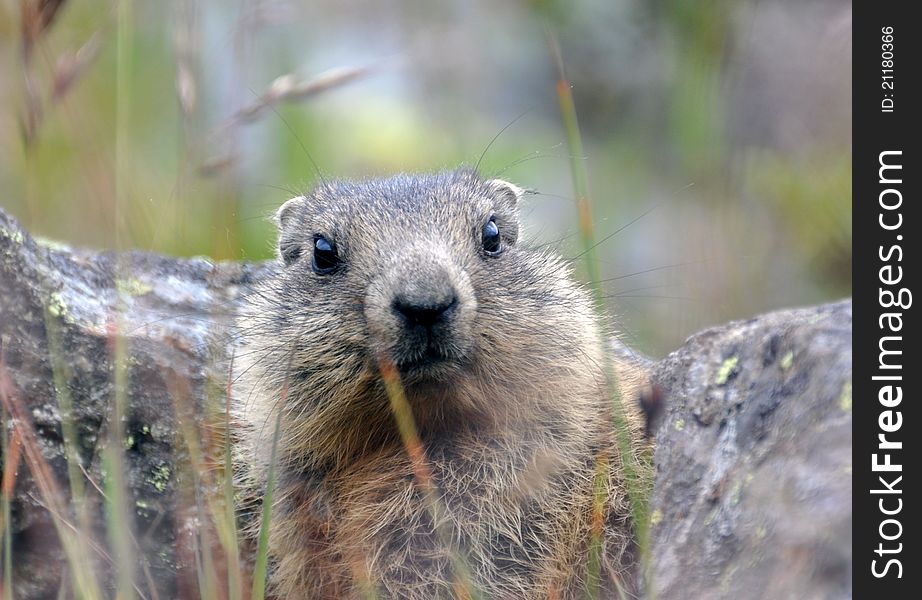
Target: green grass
<point>637,488</point>
<point>6,491</point>
<point>260,571</point>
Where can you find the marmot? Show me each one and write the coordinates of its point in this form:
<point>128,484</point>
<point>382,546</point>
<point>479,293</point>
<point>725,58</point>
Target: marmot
<point>499,357</point>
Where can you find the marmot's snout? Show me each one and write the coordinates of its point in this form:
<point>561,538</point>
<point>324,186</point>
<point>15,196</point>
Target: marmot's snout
<point>429,312</point>
<point>421,312</point>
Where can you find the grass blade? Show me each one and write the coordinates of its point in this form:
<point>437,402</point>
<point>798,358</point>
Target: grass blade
<point>635,487</point>
<point>262,548</point>
<point>422,473</point>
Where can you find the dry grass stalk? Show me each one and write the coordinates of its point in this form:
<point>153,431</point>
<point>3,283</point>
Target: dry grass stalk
<point>37,17</point>
<point>287,88</point>
<point>71,66</point>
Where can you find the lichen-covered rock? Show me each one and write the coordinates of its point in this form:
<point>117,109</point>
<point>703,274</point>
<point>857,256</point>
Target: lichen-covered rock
<point>64,317</point>
<point>753,462</point>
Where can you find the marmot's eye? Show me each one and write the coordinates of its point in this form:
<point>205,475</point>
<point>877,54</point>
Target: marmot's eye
<point>492,243</point>
<point>325,257</point>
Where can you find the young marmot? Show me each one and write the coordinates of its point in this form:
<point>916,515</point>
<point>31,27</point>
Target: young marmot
<point>498,356</point>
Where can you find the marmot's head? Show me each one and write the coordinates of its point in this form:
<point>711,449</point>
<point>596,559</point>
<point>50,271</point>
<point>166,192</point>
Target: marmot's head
<point>426,271</point>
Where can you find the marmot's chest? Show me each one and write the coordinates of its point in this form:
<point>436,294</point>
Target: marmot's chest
<point>515,527</point>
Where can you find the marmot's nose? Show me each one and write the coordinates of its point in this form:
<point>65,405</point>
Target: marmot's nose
<point>426,312</point>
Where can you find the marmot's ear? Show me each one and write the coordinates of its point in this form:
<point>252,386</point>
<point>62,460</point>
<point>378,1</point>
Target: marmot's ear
<point>289,240</point>
<point>286,211</point>
<point>506,194</point>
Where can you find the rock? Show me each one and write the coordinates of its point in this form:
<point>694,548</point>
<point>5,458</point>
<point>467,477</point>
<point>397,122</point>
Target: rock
<point>60,311</point>
<point>753,489</point>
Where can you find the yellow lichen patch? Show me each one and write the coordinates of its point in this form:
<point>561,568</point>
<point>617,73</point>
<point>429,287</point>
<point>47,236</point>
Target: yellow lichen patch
<point>679,424</point>
<point>726,369</point>
<point>845,397</point>
<point>709,519</point>
<point>49,243</point>
<point>56,305</point>
<point>133,286</point>
<point>160,477</point>
<point>736,492</point>
<point>787,360</point>
<point>15,236</point>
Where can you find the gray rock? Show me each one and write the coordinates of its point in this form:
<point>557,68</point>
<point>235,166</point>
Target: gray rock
<point>752,497</point>
<point>59,311</point>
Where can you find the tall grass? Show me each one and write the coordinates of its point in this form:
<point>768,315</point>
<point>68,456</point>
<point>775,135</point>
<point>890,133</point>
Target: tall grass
<point>260,571</point>
<point>83,581</point>
<point>11,450</point>
<point>636,487</point>
<point>464,587</point>
<point>229,535</point>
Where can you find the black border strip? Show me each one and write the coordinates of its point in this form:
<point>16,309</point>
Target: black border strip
<point>885,259</point>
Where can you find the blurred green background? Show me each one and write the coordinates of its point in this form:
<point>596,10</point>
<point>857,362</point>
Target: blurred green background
<point>724,125</point>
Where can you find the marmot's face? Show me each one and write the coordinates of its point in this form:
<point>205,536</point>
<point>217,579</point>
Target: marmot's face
<point>423,270</point>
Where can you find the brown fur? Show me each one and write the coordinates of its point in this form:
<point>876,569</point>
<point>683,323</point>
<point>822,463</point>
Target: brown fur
<point>512,427</point>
